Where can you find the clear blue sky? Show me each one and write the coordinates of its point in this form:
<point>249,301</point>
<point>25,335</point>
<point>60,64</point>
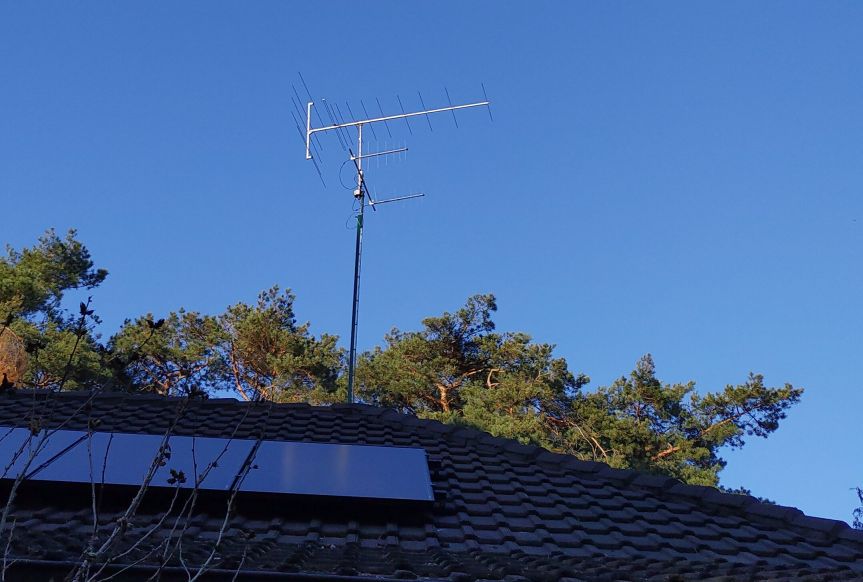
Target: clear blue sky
<point>681,179</point>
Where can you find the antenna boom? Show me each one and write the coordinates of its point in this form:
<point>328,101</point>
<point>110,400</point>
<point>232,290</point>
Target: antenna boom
<point>312,130</point>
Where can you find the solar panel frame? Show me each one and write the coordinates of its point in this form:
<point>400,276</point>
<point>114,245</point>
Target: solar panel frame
<point>253,467</point>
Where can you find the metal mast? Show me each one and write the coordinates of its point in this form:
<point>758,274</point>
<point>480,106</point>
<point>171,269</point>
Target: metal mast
<point>358,257</point>
<point>360,195</point>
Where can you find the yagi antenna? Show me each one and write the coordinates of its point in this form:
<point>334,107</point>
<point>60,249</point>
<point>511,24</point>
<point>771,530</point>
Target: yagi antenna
<point>361,193</point>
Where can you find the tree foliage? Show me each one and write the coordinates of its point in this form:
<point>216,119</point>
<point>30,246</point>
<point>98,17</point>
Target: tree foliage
<point>33,280</point>
<point>173,355</point>
<point>858,513</point>
<point>670,428</point>
<point>62,348</point>
<point>259,351</point>
<point>458,368</point>
<point>270,356</point>
<point>255,350</point>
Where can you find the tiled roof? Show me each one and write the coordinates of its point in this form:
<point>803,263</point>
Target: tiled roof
<point>506,511</point>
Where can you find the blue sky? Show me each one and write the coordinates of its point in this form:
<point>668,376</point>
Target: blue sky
<point>681,179</point>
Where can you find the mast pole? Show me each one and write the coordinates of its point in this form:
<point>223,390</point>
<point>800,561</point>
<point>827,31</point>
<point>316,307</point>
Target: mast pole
<point>359,195</point>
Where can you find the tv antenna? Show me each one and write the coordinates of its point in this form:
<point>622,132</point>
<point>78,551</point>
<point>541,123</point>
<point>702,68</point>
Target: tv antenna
<point>361,192</point>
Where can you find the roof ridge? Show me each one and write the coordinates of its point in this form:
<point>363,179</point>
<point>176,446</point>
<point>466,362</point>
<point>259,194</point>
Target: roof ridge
<point>122,394</point>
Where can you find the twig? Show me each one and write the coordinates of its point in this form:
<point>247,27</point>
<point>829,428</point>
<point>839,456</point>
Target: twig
<point>43,441</point>
<point>190,503</point>
<point>139,542</point>
<point>242,561</point>
<point>79,333</point>
<point>244,471</point>
<point>6,562</point>
<point>123,522</point>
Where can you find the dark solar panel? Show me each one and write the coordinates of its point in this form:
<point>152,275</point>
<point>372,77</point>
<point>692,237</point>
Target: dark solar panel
<point>274,467</point>
<point>19,450</point>
<point>340,470</point>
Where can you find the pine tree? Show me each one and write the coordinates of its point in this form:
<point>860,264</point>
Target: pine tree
<point>457,368</point>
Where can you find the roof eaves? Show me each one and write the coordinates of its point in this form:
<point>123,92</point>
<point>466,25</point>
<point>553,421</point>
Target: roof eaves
<point>215,573</point>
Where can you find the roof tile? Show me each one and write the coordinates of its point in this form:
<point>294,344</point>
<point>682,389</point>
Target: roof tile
<point>511,509</point>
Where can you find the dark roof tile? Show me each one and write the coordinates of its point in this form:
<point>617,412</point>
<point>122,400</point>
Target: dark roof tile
<point>827,526</point>
<point>509,510</point>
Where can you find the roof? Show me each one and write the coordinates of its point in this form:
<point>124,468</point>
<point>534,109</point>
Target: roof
<point>505,511</point>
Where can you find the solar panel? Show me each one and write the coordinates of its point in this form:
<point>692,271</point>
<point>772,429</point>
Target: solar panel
<point>365,471</point>
<point>274,467</point>
<point>19,450</point>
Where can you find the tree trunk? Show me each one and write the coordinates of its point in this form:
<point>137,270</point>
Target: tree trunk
<point>13,357</point>
<point>444,397</point>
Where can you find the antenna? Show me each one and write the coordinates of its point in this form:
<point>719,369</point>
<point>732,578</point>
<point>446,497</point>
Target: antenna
<point>361,193</point>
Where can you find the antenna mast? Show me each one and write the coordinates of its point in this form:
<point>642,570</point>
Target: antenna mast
<point>358,255</point>
<point>361,192</point>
